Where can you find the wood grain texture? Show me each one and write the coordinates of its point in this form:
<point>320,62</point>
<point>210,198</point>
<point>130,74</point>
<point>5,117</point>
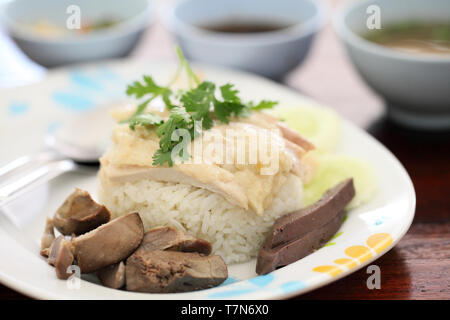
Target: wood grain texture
<point>418,267</point>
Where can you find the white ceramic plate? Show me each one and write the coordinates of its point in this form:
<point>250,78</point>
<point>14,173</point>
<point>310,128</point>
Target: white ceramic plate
<point>27,113</point>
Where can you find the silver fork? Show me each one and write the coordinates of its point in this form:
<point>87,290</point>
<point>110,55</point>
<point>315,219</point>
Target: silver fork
<point>34,178</point>
<point>77,145</point>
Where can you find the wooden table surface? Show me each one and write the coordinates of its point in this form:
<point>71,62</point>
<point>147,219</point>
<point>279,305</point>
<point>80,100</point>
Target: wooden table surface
<point>419,266</point>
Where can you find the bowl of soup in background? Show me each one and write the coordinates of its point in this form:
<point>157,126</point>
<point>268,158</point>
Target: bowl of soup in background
<point>266,37</point>
<point>46,30</point>
<point>414,81</point>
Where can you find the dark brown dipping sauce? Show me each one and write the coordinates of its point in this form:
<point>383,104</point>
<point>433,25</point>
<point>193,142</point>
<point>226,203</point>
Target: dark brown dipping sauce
<point>245,27</point>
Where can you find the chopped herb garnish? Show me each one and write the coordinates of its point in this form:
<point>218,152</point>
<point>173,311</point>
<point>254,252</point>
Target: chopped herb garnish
<point>198,104</point>
<point>148,87</point>
<point>264,104</point>
<point>146,119</point>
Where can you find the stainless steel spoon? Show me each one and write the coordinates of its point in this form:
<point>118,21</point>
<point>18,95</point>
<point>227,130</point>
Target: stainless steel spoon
<point>75,145</point>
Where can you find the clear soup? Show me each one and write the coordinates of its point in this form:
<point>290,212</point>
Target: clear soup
<point>414,37</point>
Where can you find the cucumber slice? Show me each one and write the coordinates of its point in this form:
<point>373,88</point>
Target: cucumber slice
<point>319,125</point>
<point>322,127</point>
<point>334,168</point>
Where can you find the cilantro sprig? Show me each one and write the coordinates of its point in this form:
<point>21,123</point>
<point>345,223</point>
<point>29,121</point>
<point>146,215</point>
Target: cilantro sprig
<point>197,104</point>
<point>148,87</point>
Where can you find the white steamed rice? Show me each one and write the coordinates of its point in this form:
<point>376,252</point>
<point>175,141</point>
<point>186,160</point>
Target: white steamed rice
<point>235,234</point>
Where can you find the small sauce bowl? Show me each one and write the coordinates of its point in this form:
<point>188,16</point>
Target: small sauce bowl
<point>415,86</point>
<point>272,54</point>
<point>63,45</point>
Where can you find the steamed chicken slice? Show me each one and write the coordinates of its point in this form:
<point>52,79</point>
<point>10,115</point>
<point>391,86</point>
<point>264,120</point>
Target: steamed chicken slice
<point>269,121</point>
<point>130,159</point>
<point>295,137</point>
<point>185,174</point>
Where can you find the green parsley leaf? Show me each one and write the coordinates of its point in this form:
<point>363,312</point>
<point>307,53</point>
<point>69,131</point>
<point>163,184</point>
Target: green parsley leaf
<point>229,93</point>
<point>178,119</point>
<point>198,102</point>
<point>192,107</point>
<point>264,104</point>
<point>191,75</point>
<point>230,106</point>
<point>160,157</point>
<point>224,109</point>
<point>147,119</point>
<point>148,87</point>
